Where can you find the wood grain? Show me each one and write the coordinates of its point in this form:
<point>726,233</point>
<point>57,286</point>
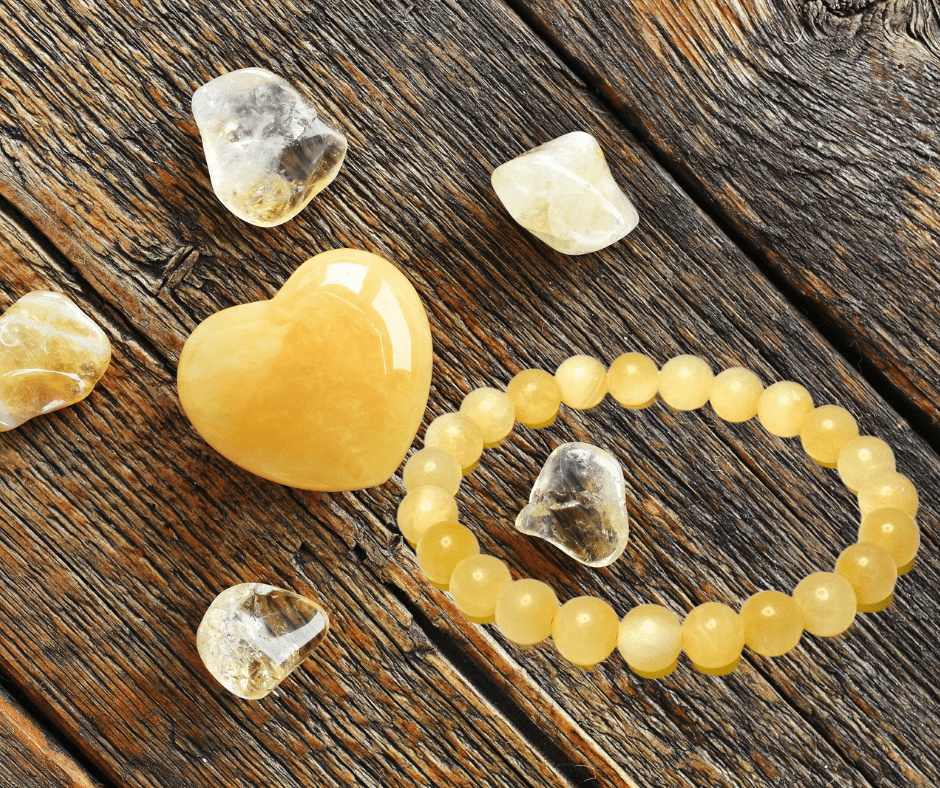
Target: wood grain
<point>809,130</point>
<point>120,525</point>
<point>32,757</point>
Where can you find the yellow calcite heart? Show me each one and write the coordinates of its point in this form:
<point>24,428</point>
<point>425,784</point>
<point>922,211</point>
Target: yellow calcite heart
<point>324,386</point>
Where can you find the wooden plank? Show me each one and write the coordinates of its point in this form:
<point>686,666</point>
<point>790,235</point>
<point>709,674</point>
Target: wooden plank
<point>108,568</point>
<point>120,524</point>
<point>809,130</point>
<point>32,757</point>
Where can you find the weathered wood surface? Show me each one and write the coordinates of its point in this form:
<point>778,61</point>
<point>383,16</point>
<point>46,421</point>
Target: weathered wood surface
<point>809,130</point>
<point>30,756</point>
<point>119,524</point>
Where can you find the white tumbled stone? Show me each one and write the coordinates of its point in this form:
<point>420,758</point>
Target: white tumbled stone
<point>268,152</point>
<point>563,193</point>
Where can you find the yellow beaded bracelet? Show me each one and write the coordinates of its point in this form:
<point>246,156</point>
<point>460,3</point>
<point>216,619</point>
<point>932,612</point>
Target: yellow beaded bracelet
<point>586,630</point>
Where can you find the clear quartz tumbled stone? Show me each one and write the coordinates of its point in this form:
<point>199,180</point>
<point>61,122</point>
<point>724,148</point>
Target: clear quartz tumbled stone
<point>268,152</point>
<point>254,635</point>
<point>563,193</point>
<point>578,504</point>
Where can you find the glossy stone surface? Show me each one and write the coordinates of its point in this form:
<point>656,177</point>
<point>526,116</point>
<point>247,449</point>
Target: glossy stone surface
<point>650,640</point>
<point>254,635</point>
<point>324,386</point>
<point>476,584</point>
<point>564,194</point>
<point>585,630</point>
<point>51,356</point>
<point>578,504</point>
<point>773,623</point>
<point>268,152</point>
<point>828,603</point>
<point>526,610</point>
<point>713,636</point>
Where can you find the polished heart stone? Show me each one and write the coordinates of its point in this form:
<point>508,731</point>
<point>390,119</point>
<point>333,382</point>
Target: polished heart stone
<point>51,356</point>
<point>324,386</point>
<point>563,193</point>
<point>253,636</point>
<point>268,152</point>
<point>578,503</point>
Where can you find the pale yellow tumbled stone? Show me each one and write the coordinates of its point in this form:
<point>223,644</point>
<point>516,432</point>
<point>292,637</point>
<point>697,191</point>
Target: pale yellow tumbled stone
<point>783,407</point>
<point>735,394</point>
<point>536,396</point>
<point>432,467</point>
<point>773,623</point>
<point>895,531</point>
<point>860,458</point>
<point>825,432</point>
<point>492,411</point>
<point>633,380</point>
<point>254,635</point>
<point>476,584</point>
<point>585,630</point>
<point>828,603</point>
<point>423,507</point>
<point>583,382</point>
<point>564,194</point>
<point>685,382</point>
<point>650,640</point>
<point>871,571</point>
<point>713,636</point>
<point>457,434</point>
<point>526,610</point>
<point>51,356</point>
<point>887,490</point>
<point>442,547</point>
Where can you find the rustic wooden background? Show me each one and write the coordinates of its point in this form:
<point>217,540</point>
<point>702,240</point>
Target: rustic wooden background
<point>784,160</point>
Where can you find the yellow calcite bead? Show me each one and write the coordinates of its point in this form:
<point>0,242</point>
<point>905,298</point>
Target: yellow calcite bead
<point>51,356</point>
<point>583,382</point>
<point>525,612</point>
<point>825,432</point>
<point>887,490</point>
<point>862,457</point>
<point>633,380</point>
<point>457,434</point>
<point>585,630</point>
<point>735,394</point>
<point>432,467</point>
<point>476,585</point>
<point>322,387</point>
<point>783,407</point>
<point>773,623</point>
<point>492,411</point>
<point>828,603</point>
<point>893,530</point>
<point>685,382</point>
<point>536,397</point>
<point>442,547</point>
<point>423,507</point>
<point>650,639</point>
<point>713,636</point>
<point>871,571</point>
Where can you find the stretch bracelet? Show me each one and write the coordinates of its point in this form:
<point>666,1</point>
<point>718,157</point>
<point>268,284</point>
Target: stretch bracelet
<point>586,630</point>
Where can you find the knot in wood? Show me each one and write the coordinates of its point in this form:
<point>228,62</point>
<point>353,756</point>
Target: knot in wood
<point>847,7</point>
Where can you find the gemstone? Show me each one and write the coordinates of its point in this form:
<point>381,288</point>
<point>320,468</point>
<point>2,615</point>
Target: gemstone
<point>268,152</point>
<point>53,355</point>
<point>563,193</point>
<point>578,504</point>
<point>324,386</point>
<point>254,636</point>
